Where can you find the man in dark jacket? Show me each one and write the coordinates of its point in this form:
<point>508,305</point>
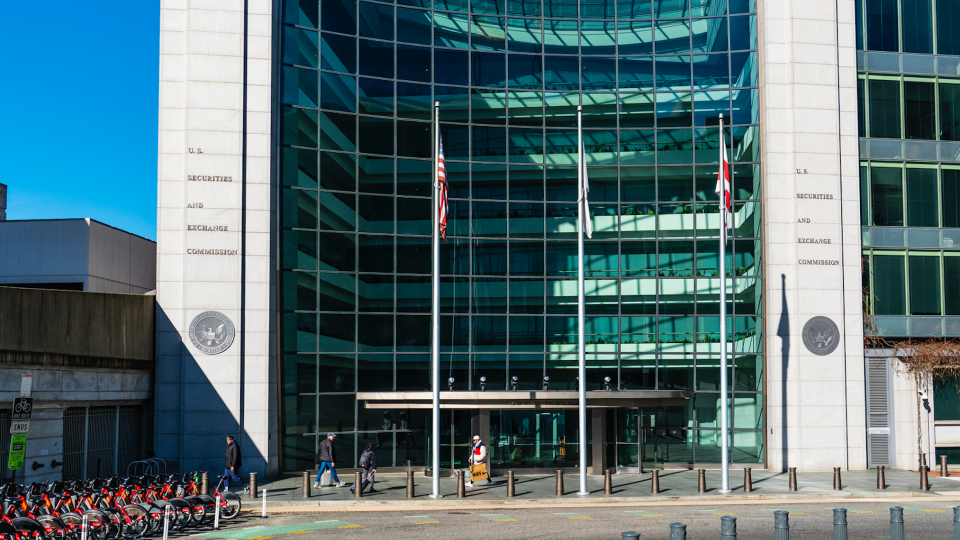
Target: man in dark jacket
<point>232,463</point>
<point>327,458</point>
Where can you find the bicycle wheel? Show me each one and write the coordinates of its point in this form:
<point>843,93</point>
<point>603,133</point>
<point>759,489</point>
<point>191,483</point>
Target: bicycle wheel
<point>229,505</point>
<point>97,524</point>
<point>154,517</point>
<point>135,522</point>
<point>73,523</point>
<point>197,510</point>
<point>182,514</point>
<point>52,525</point>
<point>113,523</point>
<point>29,528</point>
<point>7,531</point>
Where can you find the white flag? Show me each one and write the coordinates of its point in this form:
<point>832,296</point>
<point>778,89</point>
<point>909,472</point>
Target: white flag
<point>587,226</point>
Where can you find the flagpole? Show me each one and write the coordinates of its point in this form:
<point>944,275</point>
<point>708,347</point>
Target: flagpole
<point>724,432</point>
<point>435,309</point>
<point>582,365</point>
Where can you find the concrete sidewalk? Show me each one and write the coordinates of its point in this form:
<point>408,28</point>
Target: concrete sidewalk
<point>540,490</point>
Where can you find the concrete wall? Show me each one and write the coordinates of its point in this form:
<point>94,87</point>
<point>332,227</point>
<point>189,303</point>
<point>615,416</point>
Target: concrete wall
<point>82,349</point>
<point>215,230</point>
<point>85,251</point>
<point>814,403</point>
<point>75,324</point>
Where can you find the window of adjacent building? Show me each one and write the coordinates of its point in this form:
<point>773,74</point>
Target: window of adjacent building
<point>925,284</point>
<point>889,295</point>
<point>861,108</point>
<point>950,197</point>
<point>882,25</point>
<point>919,110</point>
<point>922,197</point>
<point>887,195</point>
<point>951,285</point>
<point>884,108</point>
<point>948,33</point>
<point>917,26</point>
<point>949,111</point>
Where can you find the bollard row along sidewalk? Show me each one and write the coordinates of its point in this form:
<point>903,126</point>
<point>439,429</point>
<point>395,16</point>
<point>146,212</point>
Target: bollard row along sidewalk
<point>781,526</point>
<point>398,488</point>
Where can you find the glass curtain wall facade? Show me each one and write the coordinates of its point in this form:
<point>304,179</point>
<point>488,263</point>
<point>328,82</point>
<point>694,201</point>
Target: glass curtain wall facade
<point>358,82</point>
<point>909,123</point>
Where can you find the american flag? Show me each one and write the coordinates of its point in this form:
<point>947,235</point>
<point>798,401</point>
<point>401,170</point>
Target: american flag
<point>443,209</point>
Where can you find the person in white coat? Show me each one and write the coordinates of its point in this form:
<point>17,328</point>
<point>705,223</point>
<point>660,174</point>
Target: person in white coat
<point>478,455</point>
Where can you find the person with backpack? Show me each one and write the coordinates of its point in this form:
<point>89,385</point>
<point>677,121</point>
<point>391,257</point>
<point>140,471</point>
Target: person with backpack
<point>478,455</point>
<point>368,462</point>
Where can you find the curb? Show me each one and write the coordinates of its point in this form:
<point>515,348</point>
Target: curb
<point>451,502</point>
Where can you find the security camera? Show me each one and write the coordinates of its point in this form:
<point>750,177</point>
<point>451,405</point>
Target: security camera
<point>546,383</point>
<point>450,383</point>
<point>513,382</point>
<point>483,384</point>
<point>606,383</point>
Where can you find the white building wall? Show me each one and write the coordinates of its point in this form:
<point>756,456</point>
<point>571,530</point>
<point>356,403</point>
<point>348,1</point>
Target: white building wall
<point>815,404</point>
<point>103,258</point>
<point>215,121</point>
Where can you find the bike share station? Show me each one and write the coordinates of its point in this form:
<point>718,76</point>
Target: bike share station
<point>21,414</point>
<point>530,431</point>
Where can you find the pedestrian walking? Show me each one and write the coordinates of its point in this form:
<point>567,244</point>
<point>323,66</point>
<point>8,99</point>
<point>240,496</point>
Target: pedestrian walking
<point>478,455</point>
<point>327,458</point>
<point>368,462</point>
<point>231,464</point>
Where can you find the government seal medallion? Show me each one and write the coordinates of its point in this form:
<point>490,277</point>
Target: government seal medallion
<point>821,336</point>
<point>211,332</point>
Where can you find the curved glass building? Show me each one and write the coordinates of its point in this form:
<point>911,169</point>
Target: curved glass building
<point>357,83</point>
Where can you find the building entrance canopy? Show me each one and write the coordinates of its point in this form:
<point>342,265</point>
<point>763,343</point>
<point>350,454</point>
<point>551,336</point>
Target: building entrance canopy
<point>522,399</point>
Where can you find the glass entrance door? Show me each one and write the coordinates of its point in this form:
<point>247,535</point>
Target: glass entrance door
<point>534,438</point>
<point>665,436</point>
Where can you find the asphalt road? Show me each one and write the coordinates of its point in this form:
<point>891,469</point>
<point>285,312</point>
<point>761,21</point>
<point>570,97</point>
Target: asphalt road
<point>923,521</point>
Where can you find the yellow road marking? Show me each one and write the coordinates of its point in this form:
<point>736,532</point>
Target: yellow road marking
<point>504,520</point>
<point>581,517</point>
<point>348,527</point>
<point>424,522</point>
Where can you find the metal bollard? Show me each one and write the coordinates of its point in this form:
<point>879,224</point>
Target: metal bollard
<point>263,513</point>
<point>216,515</point>
<point>839,524</point>
<point>253,485</point>
<point>306,484</point>
<point>747,480</point>
<point>837,484</point>
<point>956,523</point>
<point>511,488</point>
<point>358,484</point>
<point>411,492</point>
<point>728,528</point>
<point>607,483</point>
<point>655,482</point>
<point>881,478</point>
<point>630,535</point>
<point>205,483</point>
<point>943,467</point>
<point>701,481</point>
<point>924,479</point>
<point>896,523</point>
<point>793,479</point>
<point>781,525</point>
<point>559,482</point>
<point>678,531</point>
<point>461,488</point>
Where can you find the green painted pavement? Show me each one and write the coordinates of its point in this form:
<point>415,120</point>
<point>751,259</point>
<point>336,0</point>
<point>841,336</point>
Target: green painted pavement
<point>267,532</point>
<point>641,513</point>
<point>497,517</point>
<point>421,520</point>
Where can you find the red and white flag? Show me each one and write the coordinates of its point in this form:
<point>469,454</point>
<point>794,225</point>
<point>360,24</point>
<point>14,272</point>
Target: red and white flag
<point>723,185</point>
<point>443,208</point>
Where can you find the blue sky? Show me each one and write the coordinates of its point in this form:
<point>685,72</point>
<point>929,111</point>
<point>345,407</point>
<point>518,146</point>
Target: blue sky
<point>78,110</point>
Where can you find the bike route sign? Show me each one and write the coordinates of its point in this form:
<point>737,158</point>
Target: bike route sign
<point>22,408</point>
<point>18,445</point>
